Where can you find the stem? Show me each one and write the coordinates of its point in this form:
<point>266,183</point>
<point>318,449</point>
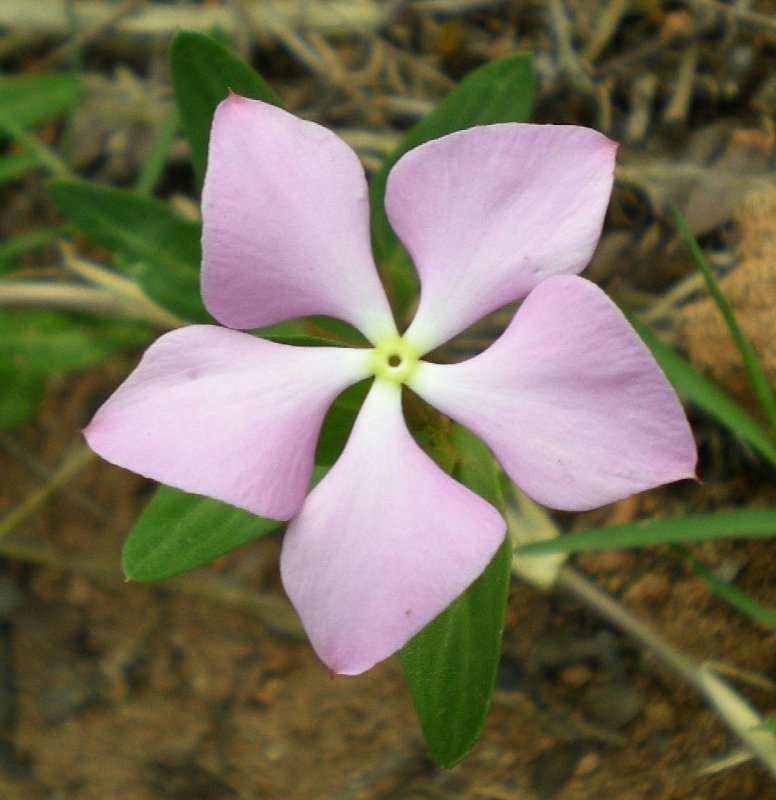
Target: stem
<point>734,711</point>
<point>78,460</point>
<point>89,299</point>
<point>573,582</point>
<point>60,295</point>
<point>606,26</point>
<point>270,607</point>
<point>73,43</point>
<point>48,17</point>
<point>126,291</point>
<point>757,377</point>
<point>45,155</point>
<point>157,158</point>
<point>31,241</point>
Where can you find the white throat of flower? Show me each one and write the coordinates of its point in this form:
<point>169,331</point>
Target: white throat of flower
<point>394,360</point>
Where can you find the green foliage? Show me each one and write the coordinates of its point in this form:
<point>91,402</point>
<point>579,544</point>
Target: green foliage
<point>31,99</point>
<point>25,243</point>
<point>744,523</point>
<point>203,73</point>
<point>500,91</point>
<point>34,344</point>
<point>757,377</point>
<point>339,422</point>
<point>178,532</point>
<point>730,593</point>
<point>47,341</point>
<point>20,395</point>
<point>769,725</point>
<point>707,396</point>
<point>13,166</point>
<point>153,244</point>
<point>450,666</point>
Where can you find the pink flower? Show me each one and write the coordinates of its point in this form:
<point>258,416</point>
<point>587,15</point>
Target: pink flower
<point>568,398</point>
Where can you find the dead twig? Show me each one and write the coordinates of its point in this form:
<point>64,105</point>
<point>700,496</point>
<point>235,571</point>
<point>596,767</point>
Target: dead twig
<point>735,13</point>
<point>42,472</point>
<point>730,706</point>
<point>606,26</point>
<point>678,106</point>
<point>642,97</point>
<point>568,60</point>
<point>62,53</point>
<point>155,20</point>
<point>76,462</point>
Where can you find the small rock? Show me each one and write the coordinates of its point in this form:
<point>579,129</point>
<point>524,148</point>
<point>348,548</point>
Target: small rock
<point>612,705</point>
<point>660,716</point>
<point>274,751</point>
<point>650,588</point>
<point>588,764</point>
<point>511,674</point>
<point>553,769</point>
<point>576,675</point>
<point>79,591</point>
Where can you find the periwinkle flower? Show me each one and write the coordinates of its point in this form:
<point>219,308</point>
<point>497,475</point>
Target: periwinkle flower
<point>568,398</point>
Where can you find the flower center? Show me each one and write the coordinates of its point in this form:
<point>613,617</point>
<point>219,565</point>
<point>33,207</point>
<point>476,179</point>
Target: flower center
<point>394,360</point>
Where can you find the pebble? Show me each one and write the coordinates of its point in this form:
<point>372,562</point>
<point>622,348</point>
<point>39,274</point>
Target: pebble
<point>660,716</point>
<point>553,769</point>
<point>612,705</point>
<point>576,675</point>
<point>274,751</point>
<point>649,588</point>
<point>588,764</point>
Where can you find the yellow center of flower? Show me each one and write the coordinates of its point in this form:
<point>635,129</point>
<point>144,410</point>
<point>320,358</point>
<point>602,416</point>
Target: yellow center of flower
<point>394,360</point>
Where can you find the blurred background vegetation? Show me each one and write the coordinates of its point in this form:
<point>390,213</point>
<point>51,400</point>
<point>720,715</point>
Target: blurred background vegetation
<point>202,687</point>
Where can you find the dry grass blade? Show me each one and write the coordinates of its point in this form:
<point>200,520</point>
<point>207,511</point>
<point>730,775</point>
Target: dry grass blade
<point>48,17</point>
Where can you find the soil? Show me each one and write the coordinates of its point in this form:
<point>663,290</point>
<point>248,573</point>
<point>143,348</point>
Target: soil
<point>205,688</point>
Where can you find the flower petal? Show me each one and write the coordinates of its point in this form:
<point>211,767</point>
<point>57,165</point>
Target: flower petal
<point>224,414</point>
<point>384,543</point>
<point>569,400</point>
<point>286,223</point>
<point>488,213</point>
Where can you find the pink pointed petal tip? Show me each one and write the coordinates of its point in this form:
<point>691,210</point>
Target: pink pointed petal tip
<point>384,543</point>
<point>569,400</point>
<point>286,223</point>
<point>224,414</point>
<point>488,213</point>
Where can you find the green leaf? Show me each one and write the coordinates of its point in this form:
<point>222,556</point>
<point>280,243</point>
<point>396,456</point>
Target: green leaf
<point>11,249</point>
<point>44,342</point>
<point>450,666</point>
<point>501,91</point>
<point>339,422</point>
<point>203,72</point>
<point>156,159</point>
<point>46,157</point>
<point>768,725</point>
<point>757,377</point>
<point>178,532</point>
<point>20,393</point>
<point>747,523</point>
<point>155,246</point>
<point>707,396</point>
<point>17,166</point>
<point>731,594</point>
<point>476,468</point>
<point>31,99</point>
